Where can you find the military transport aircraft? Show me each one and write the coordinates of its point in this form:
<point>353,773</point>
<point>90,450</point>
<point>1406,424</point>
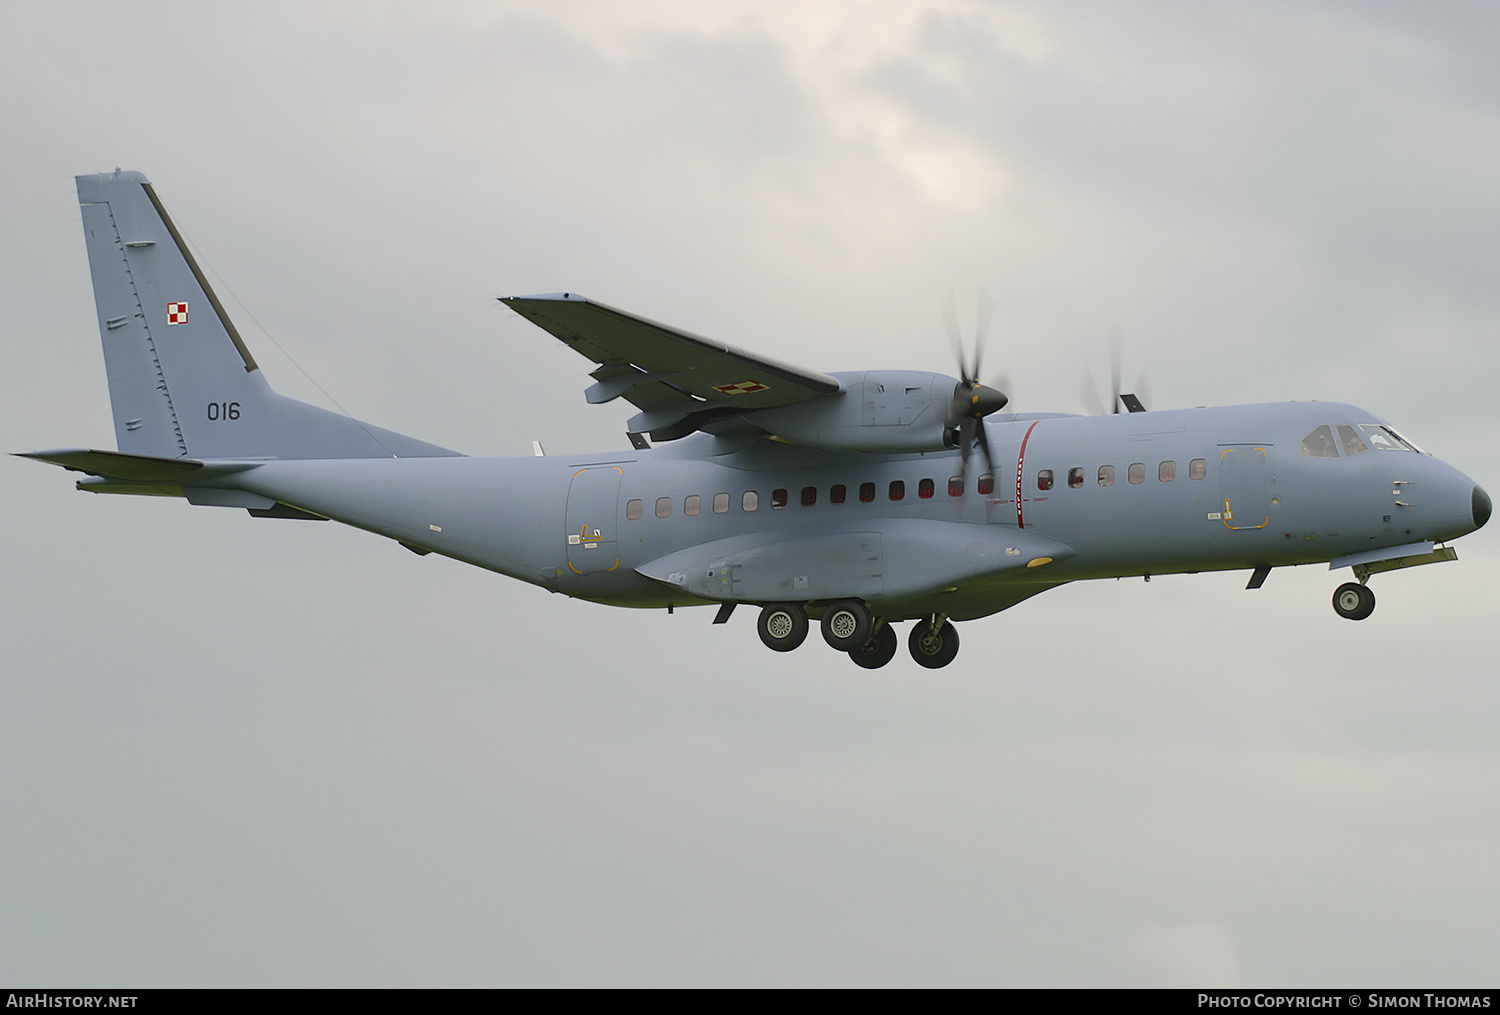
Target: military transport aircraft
<point>859,499</point>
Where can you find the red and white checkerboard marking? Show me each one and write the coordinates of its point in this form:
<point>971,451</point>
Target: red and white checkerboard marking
<point>742,388</point>
<point>176,313</point>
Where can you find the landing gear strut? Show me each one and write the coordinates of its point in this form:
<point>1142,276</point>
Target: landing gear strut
<point>1353,601</point>
<point>782,626</point>
<point>933,643</point>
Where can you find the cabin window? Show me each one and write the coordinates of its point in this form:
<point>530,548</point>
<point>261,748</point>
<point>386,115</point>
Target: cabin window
<point>1319,444</point>
<point>955,486</point>
<point>1044,479</point>
<point>1075,479</point>
<point>750,501</point>
<point>1106,475</point>
<point>1197,468</point>
<point>866,492</point>
<point>898,490</point>
<point>778,499</point>
<point>1166,471</point>
<point>634,509</point>
<point>692,505</point>
<point>809,496</point>
<point>721,503</point>
<point>837,493</point>
<point>1137,473</point>
<point>926,488</point>
<point>986,485</point>
<point>664,507</point>
<point>1351,441</point>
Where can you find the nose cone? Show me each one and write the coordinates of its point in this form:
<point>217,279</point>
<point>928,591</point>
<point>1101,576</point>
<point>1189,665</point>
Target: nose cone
<point>986,400</point>
<point>1482,507</point>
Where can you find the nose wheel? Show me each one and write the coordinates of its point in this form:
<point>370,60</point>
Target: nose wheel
<point>1353,601</point>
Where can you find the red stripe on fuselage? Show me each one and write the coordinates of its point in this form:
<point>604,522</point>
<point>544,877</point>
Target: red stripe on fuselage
<point>1020,469</point>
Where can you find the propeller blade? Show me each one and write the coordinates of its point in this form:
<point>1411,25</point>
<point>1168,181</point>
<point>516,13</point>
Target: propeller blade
<point>985,312</point>
<point>1090,394</point>
<point>1114,371</point>
<point>955,335</point>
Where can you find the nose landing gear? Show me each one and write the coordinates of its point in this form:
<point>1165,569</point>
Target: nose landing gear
<point>1353,601</point>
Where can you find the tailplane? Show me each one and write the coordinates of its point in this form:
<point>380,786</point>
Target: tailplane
<point>181,381</point>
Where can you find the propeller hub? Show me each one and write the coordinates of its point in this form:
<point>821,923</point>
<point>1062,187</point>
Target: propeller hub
<point>975,401</point>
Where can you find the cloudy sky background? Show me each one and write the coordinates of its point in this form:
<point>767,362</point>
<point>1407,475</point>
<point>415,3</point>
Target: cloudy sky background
<point>240,752</point>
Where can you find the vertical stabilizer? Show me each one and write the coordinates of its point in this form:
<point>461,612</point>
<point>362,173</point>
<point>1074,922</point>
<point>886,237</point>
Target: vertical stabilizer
<point>181,381</point>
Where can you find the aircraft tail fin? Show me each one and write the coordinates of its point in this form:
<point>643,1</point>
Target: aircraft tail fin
<point>181,381</point>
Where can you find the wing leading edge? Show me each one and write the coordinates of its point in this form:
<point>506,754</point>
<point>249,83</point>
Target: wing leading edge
<point>679,381</point>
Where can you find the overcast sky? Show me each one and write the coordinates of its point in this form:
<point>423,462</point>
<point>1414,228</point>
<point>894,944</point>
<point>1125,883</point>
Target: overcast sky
<point>272,753</point>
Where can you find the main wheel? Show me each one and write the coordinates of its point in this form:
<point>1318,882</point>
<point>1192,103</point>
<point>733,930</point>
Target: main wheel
<point>879,650</point>
<point>782,626</point>
<point>847,624</point>
<point>933,649</point>
<point>1353,601</point>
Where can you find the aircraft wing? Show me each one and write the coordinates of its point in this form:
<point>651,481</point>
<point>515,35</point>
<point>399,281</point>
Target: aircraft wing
<point>680,381</point>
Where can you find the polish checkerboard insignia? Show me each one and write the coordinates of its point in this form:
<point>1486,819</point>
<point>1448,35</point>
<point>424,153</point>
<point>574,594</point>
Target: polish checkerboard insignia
<point>742,388</point>
<point>177,313</point>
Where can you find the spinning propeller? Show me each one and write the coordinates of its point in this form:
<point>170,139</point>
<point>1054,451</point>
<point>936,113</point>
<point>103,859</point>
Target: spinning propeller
<point>1132,402</point>
<point>971,401</point>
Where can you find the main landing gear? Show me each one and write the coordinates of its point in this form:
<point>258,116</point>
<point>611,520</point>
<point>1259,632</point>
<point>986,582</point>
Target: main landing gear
<point>1353,601</point>
<point>849,627</point>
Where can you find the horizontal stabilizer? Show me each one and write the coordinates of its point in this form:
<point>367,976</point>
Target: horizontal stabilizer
<point>129,468</point>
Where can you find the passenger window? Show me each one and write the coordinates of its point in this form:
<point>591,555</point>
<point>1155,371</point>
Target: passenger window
<point>926,488</point>
<point>1351,441</point>
<point>1319,444</point>
<point>692,505</point>
<point>721,503</point>
<point>866,492</point>
<point>664,507</point>
<point>750,501</point>
<point>956,486</point>
<point>778,499</point>
<point>1075,479</point>
<point>836,493</point>
<point>986,485</point>
<point>1166,471</point>
<point>1197,468</point>
<point>898,490</point>
<point>635,508</point>
<point>1044,479</point>
<point>809,496</point>
<point>1106,475</point>
<point>1137,473</point>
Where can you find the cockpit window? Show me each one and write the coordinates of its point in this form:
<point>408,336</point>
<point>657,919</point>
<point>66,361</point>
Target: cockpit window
<point>1383,438</point>
<point>1319,444</point>
<point>1351,441</point>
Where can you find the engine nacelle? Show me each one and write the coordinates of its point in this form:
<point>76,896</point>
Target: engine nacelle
<point>874,410</point>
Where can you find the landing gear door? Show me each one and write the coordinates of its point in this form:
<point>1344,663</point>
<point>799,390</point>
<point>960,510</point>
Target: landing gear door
<point>593,513</point>
<point>1242,484</point>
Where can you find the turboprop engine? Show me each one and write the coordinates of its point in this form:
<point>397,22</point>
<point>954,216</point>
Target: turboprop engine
<point>886,410</point>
